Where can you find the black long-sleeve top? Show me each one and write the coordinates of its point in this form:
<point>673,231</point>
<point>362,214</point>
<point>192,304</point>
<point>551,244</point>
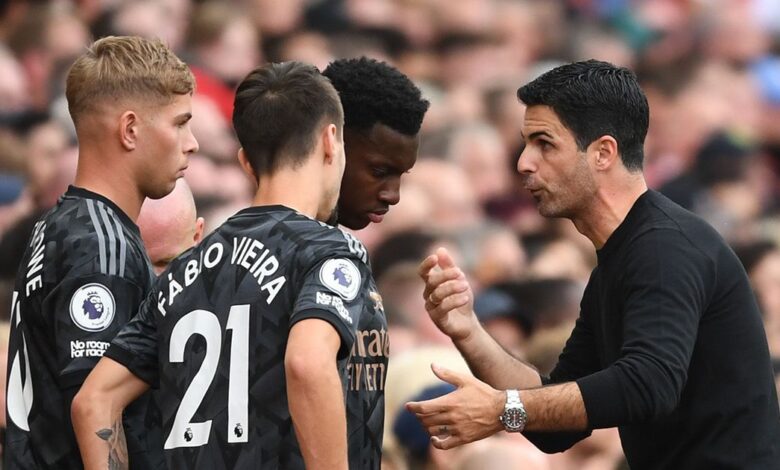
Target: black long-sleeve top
<point>670,347</point>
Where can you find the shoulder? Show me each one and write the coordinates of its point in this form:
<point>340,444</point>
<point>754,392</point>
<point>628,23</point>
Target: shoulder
<point>664,213</point>
<point>89,237</point>
<point>300,242</point>
<point>326,241</point>
<point>669,258</point>
<point>311,239</point>
<point>670,230</point>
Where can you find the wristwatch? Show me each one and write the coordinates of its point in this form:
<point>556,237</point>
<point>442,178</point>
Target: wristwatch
<point>514,416</point>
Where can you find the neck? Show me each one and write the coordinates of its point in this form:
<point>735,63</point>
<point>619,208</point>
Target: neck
<point>298,189</point>
<point>97,173</point>
<point>608,209</point>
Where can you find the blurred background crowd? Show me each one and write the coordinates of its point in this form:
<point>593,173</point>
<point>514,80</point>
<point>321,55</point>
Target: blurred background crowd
<point>710,68</point>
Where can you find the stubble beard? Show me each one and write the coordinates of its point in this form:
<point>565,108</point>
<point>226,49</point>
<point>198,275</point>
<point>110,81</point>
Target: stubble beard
<point>552,209</point>
<point>571,196</point>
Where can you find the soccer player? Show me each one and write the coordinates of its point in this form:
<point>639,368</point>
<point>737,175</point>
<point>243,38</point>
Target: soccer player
<point>383,112</point>
<point>258,336</point>
<point>85,271</point>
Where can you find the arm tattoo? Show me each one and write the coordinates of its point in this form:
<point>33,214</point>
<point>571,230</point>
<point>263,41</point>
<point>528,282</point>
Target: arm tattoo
<point>117,445</point>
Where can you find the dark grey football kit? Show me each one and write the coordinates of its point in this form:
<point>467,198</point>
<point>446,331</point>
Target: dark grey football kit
<point>213,332</point>
<point>82,277</point>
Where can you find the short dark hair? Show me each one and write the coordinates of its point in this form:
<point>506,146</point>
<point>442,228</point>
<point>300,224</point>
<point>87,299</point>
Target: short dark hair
<point>375,92</point>
<point>593,99</point>
<point>278,109</point>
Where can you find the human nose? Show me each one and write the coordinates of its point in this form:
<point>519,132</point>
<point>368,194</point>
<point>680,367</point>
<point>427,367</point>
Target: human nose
<point>525,163</point>
<point>391,192</point>
<point>191,146</point>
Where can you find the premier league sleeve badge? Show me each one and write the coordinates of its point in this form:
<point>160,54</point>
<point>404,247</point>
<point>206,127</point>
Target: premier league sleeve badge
<point>92,307</point>
<point>341,276</point>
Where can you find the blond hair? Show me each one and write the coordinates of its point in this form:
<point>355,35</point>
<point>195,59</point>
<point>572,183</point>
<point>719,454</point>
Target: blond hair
<point>121,67</point>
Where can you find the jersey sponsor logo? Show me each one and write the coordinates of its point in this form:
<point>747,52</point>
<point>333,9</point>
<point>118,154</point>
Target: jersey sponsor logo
<point>87,348</point>
<point>332,301</point>
<point>92,307</point>
<point>342,277</point>
<point>368,360</point>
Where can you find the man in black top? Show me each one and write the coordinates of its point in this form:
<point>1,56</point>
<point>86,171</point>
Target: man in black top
<point>383,112</point>
<point>268,340</point>
<point>669,344</point>
<point>85,271</point>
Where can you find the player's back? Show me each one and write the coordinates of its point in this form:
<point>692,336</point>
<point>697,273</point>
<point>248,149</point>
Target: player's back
<point>84,273</point>
<point>221,315</point>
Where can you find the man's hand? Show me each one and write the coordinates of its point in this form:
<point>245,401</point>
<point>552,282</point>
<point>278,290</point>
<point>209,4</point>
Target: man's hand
<point>448,296</point>
<point>468,414</point>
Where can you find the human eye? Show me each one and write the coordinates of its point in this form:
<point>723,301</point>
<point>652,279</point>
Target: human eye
<point>183,121</point>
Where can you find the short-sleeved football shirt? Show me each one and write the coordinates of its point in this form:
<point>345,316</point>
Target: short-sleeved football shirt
<point>213,333</point>
<point>82,277</point>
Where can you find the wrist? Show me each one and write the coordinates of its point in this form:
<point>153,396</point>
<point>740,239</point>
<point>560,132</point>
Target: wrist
<point>471,337</point>
<point>514,417</point>
<point>499,401</point>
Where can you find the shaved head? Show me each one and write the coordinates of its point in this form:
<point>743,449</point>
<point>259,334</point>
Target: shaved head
<point>170,226</point>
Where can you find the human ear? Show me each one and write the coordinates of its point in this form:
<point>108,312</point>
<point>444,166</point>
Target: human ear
<point>200,224</point>
<point>605,149</point>
<point>246,167</point>
<point>330,143</point>
<point>128,130</point>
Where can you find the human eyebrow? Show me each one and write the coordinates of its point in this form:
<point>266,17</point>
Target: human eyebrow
<point>537,134</point>
<point>387,165</point>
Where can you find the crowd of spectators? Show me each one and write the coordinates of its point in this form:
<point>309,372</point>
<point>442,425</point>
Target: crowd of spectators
<point>710,69</point>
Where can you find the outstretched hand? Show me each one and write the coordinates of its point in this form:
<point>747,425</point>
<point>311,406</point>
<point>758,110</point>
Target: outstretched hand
<point>449,299</point>
<point>468,414</point>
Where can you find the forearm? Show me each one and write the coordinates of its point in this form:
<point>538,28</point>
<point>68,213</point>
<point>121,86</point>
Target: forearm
<point>100,435</point>
<point>314,394</point>
<point>555,408</point>
<point>96,413</point>
<point>490,363</point>
<point>472,412</point>
<point>317,408</point>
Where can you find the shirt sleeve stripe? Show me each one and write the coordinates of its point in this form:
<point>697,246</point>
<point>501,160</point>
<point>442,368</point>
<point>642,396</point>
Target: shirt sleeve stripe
<point>122,243</point>
<point>99,231</point>
<point>111,239</point>
<point>355,246</point>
